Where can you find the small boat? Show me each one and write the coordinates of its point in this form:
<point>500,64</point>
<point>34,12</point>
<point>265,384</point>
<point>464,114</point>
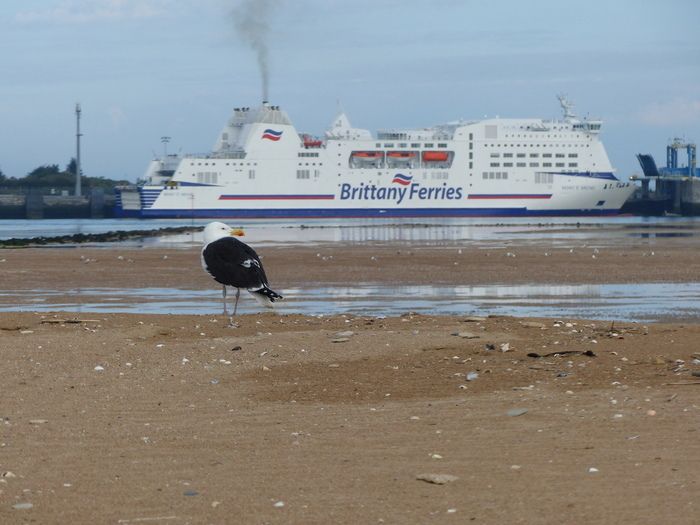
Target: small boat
<point>402,154</point>
<point>368,155</point>
<point>435,156</point>
<point>311,142</point>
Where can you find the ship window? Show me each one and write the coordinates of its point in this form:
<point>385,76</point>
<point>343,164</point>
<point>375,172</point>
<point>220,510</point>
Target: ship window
<point>548,155</point>
<point>559,155</point>
<point>484,175</point>
<point>534,164</point>
<point>303,174</point>
<point>415,145</point>
<point>442,145</point>
<point>534,155</point>
<point>251,174</point>
<point>508,155</point>
<point>471,155</point>
<point>544,178</point>
<point>495,155</point>
<point>560,164</point>
<point>573,164</point>
<point>403,145</point>
<point>507,164</point>
<point>388,145</point>
<point>428,144</point>
<point>495,164</point>
<point>546,164</point>
<point>377,145</point>
<point>520,155</point>
<point>492,175</point>
<point>471,165</point>
<point>471,136</point>
<point>573,155</point>
<point>521,165</point>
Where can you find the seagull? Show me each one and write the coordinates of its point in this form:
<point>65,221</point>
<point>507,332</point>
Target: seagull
<point>234,263</point>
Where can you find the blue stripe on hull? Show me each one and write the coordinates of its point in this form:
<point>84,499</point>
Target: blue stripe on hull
<point>338,213</point>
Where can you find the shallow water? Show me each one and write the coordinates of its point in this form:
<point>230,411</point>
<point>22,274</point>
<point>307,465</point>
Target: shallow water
<point>557,231</point>
<point>623,302</point>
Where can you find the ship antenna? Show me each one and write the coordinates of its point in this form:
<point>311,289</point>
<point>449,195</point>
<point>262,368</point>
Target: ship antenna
<point>165,141</point>
<point>566,106</point>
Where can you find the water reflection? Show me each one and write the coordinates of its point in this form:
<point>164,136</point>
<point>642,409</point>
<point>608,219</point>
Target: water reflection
<point>558,231</point>
<point>631,302</point>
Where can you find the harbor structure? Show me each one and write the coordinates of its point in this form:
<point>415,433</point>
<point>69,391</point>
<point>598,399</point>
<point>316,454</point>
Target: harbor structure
<point>674,188</point>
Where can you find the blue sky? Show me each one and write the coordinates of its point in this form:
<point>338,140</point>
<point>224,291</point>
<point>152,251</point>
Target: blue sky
<point>146,68</point>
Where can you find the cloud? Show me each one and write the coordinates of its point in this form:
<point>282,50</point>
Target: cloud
<point>84,11</point>
<point>673,112</point>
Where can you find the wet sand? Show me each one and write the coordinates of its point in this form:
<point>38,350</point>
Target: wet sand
<point>180,419</point>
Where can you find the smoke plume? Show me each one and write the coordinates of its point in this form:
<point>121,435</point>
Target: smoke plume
<point>251,19</point>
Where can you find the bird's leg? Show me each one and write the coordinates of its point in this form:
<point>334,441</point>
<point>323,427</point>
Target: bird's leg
<point>223,287</point>
<point>231,322</point>
<point>238,294</point>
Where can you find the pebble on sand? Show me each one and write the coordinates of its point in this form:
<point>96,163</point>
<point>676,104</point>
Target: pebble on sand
<point>437,479</point>
<point>22,506</point>
<point>466,335</point>
<point>515,412</point>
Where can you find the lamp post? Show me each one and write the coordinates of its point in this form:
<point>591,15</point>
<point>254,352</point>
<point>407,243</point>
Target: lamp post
<point>78,188</point>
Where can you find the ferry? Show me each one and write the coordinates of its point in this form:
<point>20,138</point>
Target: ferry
<point>261,167</point>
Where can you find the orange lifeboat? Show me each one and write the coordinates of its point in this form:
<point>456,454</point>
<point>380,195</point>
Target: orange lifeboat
<point>401,154</point>
<point>435,156</point>
<point>368,155</point>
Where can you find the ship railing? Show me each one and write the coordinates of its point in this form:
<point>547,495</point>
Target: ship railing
<point>217,155</point>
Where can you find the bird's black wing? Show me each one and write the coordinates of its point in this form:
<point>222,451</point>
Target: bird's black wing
<point>233,263</point>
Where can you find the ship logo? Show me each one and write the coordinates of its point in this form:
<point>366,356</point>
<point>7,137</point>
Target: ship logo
<point>402,179</point>
<point>271,134</point>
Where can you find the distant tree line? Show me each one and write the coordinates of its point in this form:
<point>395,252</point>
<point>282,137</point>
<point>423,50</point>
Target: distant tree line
<point>52,177</point>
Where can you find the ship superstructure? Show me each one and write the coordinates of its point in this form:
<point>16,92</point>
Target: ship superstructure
<point>261,166</point>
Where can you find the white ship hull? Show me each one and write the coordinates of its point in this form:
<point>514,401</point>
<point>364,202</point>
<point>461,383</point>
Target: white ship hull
<point>261,168</point>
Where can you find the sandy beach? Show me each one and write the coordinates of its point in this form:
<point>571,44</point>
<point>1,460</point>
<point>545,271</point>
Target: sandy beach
<point>115,418</point>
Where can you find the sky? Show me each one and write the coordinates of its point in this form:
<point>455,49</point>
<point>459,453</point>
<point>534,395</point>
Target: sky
<point>144,69</point>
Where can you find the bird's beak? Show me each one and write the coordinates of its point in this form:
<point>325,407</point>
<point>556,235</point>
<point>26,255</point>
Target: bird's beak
<point>237,232</point>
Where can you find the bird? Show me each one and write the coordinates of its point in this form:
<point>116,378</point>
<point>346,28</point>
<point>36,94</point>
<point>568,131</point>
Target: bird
<point>233,263</point>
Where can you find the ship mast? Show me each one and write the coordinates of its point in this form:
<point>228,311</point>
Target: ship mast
<point>567,107</point>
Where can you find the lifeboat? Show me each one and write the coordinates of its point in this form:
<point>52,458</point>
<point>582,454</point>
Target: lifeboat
<point>435,156</point>
<point>311,142</point>
<point>401,155</point>
<point>367,155</point>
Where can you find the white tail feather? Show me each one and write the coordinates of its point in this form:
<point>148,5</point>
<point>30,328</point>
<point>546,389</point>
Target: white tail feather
<point>262,299</point>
